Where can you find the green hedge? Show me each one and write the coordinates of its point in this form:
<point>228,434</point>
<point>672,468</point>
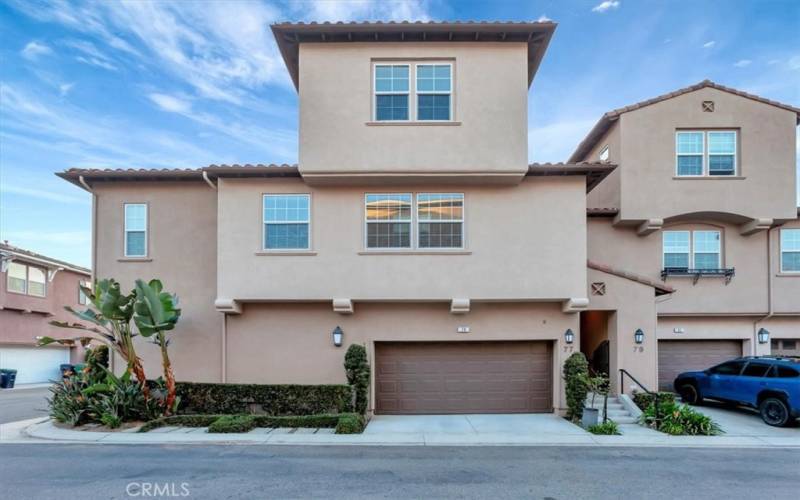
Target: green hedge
<point>232,423</point>
<point>643,399</point>
<point>221,399</point>
<point>344,423</point>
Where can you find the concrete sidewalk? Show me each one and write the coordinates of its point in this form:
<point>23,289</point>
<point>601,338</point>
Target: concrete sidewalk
<point>47,432</point>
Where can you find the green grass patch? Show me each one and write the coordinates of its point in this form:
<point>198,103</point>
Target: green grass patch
<point>607,428</point>
<point>344,423</point>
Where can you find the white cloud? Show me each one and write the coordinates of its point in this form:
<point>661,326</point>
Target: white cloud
<point>709,44</point>
<point>65,88</point>
<point>794,63</point>
<point>351,10</point>
<point>170,103</point>
<point>543,19</point>
<point>93,61</point>
<point>34,49</point>
<point>91,54</point>
<point>606,5</point>
<point>28,239</point>
<point>742,63</point>
<point>36,192</point>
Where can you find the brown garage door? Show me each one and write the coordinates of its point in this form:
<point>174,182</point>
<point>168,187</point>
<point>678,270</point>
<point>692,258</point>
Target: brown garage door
<point>676,356</point>
<point>463,377</point>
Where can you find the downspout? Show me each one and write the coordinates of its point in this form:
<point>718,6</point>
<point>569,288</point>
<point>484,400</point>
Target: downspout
<point>208,180</point>
<point>770,312</point>
<point>224,348</point>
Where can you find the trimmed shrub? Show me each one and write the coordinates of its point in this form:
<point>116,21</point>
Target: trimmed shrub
<point>576,378</point>
<point>257,399</point>
<point>350,424</point>
<point>232,423</point>
<point>680,420</point>
<point>357,370</point>
<point>607,428</point>
<point>643,399</point>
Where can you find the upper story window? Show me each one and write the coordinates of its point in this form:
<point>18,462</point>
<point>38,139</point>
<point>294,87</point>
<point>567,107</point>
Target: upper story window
<point>25,279</point>
<point>441,220</point>
<point>691,250</point>
<point>603,156</point>
<point>705,153</point>
<point>135,230</point>
<point>287,220</point>
<point>388,219</point>
<point>82,298</point>
<point>431,93</point>
<point>391,92</point>
<point>790,250</point>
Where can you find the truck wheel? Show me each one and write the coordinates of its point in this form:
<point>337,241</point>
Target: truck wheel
<point>774,411</point>
<point>690,394</point>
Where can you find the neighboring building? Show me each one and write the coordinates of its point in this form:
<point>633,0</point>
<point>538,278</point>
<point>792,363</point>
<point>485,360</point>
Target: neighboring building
<point>415,224</point>
<point>34,291</point>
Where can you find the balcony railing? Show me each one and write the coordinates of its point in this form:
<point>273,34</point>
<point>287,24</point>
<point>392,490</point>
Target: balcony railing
<point>696,274</point>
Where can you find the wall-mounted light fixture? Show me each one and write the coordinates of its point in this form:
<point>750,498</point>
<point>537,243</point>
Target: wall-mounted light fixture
<point>763,336</point>
<point>337,336</point>
<point>638,336</point>
<point>569,337</point>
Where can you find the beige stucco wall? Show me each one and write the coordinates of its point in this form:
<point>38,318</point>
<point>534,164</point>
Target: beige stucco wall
<point>785,286</point>
<point>607,193</point>
<point>182,242</point>
<point>489,107</point>
<point>765,187</point>
<point>523,242</point>
<point>291,343</point>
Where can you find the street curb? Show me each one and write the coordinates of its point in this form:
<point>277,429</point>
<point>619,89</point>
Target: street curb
<point>47,431</point>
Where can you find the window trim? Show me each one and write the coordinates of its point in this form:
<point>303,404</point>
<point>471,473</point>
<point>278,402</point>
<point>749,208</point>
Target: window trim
<point>415,215</point>
<point>706,155</point>
<point>27,291</point>
<point>411,220</point>
<point>417,92</point>
<point>264,224</point>
<point>720,258</point>
<point>125,230</point>
<point>782,251</point>
<point>376,92</point>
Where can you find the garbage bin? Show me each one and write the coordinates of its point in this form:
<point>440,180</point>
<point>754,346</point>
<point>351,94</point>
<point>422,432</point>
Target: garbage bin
<point>7,378</point>
<point>67,370</point>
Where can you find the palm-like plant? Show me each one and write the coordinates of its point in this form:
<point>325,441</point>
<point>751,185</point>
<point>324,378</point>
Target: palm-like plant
<point>110,322</point>
<point>155,313</point>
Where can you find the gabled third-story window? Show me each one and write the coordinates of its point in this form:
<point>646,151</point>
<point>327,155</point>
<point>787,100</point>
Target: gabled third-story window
<point>790,250</point>
<point>135,230</point>
<point>391,92</point>
<point>287,218</point>
<point>433,91</point>
<point>705,153</point>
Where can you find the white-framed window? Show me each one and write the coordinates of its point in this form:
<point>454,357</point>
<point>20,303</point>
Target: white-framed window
<point>135,230</point>
<point>434,89</point>
<point>388,220</point>
<point>603,156</point>
<point>82,298</point>
<point>26,279</point>
<point>790,250</point>
<point>705,153</point>
<point>692,249</point>
<point>440,220</point>
<point>287,222</point>
<point>391,92</point>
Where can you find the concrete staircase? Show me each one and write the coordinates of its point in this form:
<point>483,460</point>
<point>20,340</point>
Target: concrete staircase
<point>616,410</point>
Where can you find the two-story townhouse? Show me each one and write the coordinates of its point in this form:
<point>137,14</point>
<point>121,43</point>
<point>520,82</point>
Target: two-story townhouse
<point>412,224</point>
<point>704,200</point>
<point>34,290</point>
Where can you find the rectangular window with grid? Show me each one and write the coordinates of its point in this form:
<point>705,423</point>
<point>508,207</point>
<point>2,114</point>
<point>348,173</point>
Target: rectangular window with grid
<point>705,153</point>
<point>691,150</point>
<point>391,92</point>
<point>287,219</point>
<point>82,298</point>
<point>135,230</point>
<point>722,153</point>
<point>706,249</point>
<point>25,279</point>
<point>676,249</point>
<point>790,250</point>
<point>433,91</point>
<point>388,220</point>
<point>440,218</point>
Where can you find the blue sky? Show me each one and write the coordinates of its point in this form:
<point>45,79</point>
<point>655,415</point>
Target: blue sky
<point>187,84</point>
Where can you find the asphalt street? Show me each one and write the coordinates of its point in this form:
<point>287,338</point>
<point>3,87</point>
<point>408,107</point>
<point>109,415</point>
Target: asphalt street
<point>22,404</point>
<point>44,471</point>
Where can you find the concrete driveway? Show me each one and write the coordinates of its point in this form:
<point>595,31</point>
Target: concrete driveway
<point>23,403</point>
<point>738,421</point>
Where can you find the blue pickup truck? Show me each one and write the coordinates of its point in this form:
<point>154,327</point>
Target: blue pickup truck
<point>769,383</point>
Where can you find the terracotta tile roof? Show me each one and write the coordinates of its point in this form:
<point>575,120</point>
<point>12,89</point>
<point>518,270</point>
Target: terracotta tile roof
<point>8,249</point>
<point>89,175</point>
<point>660,288</point>
<point>594,171</point>
<point>290,35</point>
<point>602,126</point>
